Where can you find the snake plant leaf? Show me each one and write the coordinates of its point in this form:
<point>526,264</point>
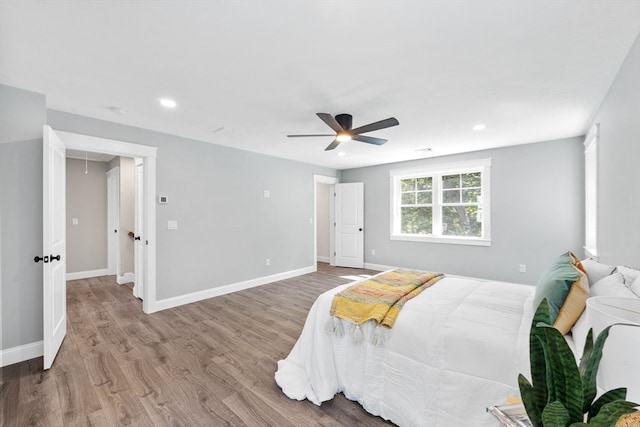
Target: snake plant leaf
<point>540,378</point>
<point>555,415</point>
<point>591,364</point>
<point>618,394</point>
<point>566,376</point>
<point>579,424</point>
<point>611,412</point>
<point>586,353</point>
<point>534,412</point>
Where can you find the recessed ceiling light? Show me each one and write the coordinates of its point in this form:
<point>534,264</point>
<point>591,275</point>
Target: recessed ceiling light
<point>341,154</point>
<point>168,103</point>
<point>479,127</point>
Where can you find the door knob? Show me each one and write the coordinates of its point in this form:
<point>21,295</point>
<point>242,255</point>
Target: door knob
<point>136,238</point>
<point>359,229</point>
<point>39,258</point>
<point>56,258</point>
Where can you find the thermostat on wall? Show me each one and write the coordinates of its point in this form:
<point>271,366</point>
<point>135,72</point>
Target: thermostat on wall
<point>163,199</point>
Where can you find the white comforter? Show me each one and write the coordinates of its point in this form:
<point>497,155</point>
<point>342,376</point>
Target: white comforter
<point>454,350</point>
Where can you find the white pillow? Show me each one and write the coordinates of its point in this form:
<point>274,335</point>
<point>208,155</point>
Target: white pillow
<point>635,286</point>
<point>596,270</point>
<point>629,274</point>
<point>611,286</point>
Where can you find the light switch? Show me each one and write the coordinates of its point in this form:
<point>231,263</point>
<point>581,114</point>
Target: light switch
<point>172,225</point>
<point>75,221</point>
<point>267,193</point>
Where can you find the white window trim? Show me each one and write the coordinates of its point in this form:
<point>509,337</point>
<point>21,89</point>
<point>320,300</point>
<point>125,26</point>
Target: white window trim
<point>591,191</point>
<point>444,168</point>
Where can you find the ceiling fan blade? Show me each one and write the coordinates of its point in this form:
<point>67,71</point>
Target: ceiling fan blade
<point>333,145</point>
<point>311,134</point>
<point>382,124</point>
<point>369,139</point>
<point>331,121</point>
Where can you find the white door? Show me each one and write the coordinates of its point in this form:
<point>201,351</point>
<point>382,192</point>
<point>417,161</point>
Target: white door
<point>138,246</point>
<point>349,223</point>
<point>54,245</point>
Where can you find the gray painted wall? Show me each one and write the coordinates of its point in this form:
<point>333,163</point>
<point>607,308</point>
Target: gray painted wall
<point>537,205</point>
<point>22,115</point>
<point>86,201</point>
<point>226,227</point>
<point>619,167</point>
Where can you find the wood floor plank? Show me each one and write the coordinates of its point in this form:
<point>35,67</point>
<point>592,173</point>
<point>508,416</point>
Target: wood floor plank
<point>210,363</point>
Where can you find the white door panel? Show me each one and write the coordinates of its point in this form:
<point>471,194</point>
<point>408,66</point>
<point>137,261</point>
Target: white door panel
<point>349,222</point>
<point>54,245</point>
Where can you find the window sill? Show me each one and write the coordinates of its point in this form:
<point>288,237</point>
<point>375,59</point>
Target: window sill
<point>471,241</point>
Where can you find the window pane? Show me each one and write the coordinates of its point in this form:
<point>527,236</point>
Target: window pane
<point>470,196</point>
<point>451,196</point>
<point>461,221</point>
<point>408,198</point>
<point>471,180</point>
<point>408,184</point>
<point>424,183</point>
<point>451,181</point>
<point>416,220</point>
<point>425,197</point>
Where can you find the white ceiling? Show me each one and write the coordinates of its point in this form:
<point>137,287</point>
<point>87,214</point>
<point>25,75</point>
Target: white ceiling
<point>247,73</point>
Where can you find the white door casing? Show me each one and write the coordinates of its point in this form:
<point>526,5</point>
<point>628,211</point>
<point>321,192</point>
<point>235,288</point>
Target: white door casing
<point>349,225</point>
<point>138,246</point>
<point>318,180</point>
<point>54,245</point>
<point>113,220</point>
<point>148,155</point>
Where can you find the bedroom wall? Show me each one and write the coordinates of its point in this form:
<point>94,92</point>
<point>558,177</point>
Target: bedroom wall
<point>537,203</point>
<point>619,167</point>
<point>22,115</point>
<point>226,227</point>
<point>86,201</point>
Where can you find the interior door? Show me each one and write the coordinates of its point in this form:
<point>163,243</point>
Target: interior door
<point>138,248</point>
<point>54,245</point>
<point>349,223</point>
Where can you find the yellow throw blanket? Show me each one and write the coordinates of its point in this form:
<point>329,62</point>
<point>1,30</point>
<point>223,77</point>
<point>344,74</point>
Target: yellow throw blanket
<point>381,298</point>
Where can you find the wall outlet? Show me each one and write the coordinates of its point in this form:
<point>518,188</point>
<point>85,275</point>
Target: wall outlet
<point>268,262</point>
<point>523,268</point>
<point>172,225</point>
<point>267,193</point>
<point>74,221</point>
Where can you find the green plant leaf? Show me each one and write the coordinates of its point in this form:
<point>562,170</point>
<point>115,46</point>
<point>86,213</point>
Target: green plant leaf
<point>526,392</point>
<point>618,394</point>
<point>539,375</point>
<point>611,412</point>
<point>579,424</point>
<point>564,370</point>
<point>591,363</point>
<point>586,353</point>
<point>555,415</point>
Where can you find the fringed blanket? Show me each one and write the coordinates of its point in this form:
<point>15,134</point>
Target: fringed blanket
<point>381,297</point>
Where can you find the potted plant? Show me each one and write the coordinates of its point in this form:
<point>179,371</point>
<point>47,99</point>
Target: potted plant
<point>561,393</point>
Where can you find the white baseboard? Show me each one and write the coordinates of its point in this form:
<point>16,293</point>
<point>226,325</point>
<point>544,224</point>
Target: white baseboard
<point>322,259</point>
<point>378,267</point>
<point>87,274</point>
<point>21,353</point>
<point>227,289</point>
<point>126,278</point>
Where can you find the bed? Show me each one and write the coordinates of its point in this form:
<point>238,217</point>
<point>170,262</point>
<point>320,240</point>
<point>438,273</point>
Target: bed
<point>455,349</point>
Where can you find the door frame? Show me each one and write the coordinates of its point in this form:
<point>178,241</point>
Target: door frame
<point>148,155</point>
<point>113,221</point>
<point>321,179</point>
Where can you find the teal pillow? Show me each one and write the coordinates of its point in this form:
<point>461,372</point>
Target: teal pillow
<point>566,287</point>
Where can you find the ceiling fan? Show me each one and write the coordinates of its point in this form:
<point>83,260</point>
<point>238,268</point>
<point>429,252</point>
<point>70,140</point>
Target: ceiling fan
<point>341,124</point>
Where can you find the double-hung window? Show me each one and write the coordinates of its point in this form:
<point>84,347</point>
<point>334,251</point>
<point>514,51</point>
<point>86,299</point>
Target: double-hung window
<point>443,203</point>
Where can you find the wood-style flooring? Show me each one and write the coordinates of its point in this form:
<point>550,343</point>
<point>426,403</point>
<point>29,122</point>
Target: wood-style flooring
<point>209,363</point>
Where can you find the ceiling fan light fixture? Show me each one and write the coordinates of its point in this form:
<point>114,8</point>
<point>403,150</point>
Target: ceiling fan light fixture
<point>343,136</point>
<point>168,103</point>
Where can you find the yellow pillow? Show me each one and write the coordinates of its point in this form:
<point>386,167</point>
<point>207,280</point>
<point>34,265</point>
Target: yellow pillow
<point>566,288</point>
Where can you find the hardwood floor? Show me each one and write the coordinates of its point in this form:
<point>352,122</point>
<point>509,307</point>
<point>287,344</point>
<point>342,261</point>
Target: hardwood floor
<point>209,363</point>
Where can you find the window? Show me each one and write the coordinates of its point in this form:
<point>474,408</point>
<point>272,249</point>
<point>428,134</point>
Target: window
<point>442,203</point>
<point>591,191</point>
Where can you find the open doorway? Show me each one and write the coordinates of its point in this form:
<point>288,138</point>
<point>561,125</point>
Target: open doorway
<point>323,241</point>
<point>142,227</point>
